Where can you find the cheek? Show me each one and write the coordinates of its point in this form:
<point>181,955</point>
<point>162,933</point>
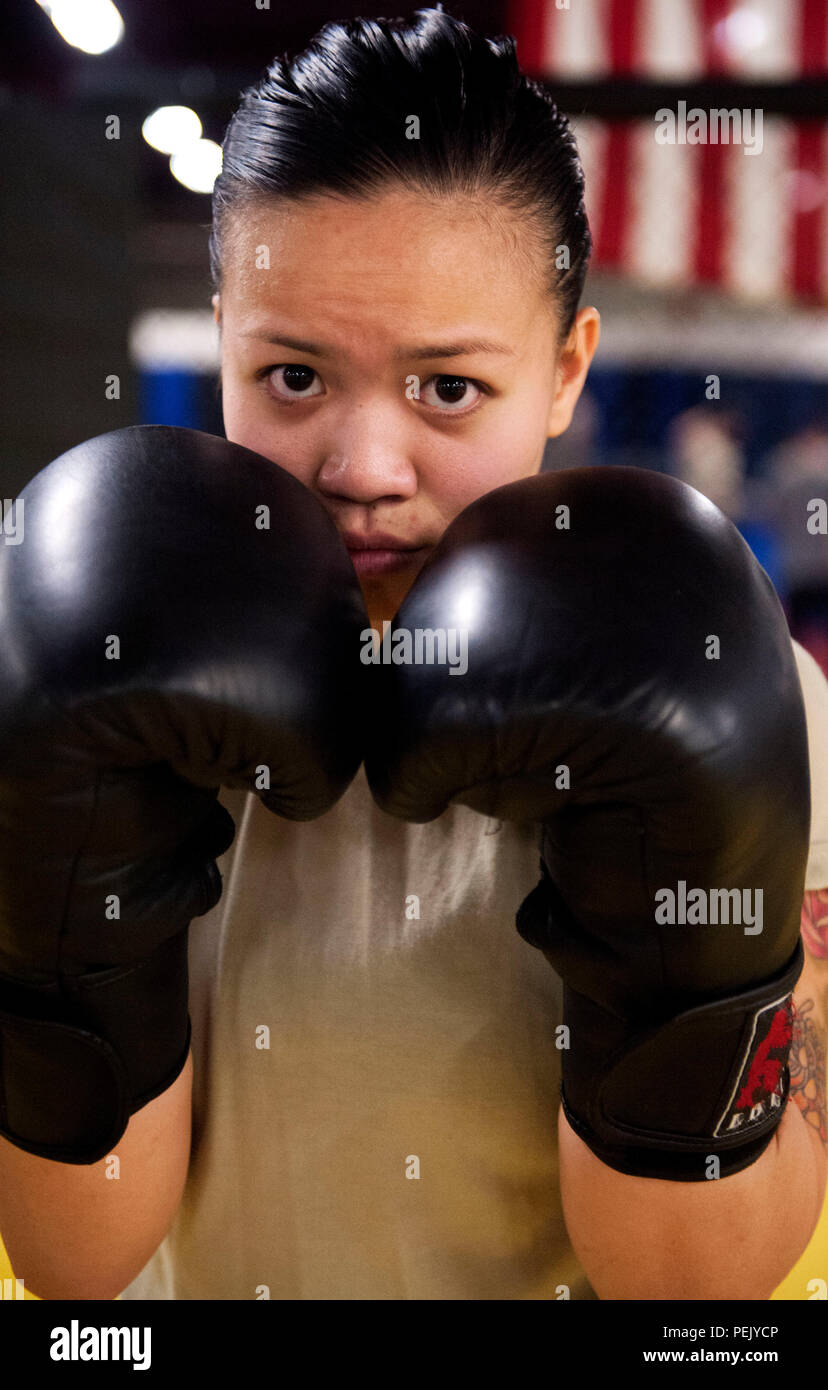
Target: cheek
<point>242,415</point>
<point>248,420</point>
<point>510,450</point>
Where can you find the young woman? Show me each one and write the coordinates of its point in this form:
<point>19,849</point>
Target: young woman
<point>398,248</point>
<point>399,206</point>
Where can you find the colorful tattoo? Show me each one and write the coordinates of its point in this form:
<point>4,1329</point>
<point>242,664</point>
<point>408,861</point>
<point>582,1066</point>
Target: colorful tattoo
<point>807,1067</point>
<point>815,922</point>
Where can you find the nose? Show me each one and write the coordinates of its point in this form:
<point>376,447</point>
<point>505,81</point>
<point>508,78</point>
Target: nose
<point>366,461</point>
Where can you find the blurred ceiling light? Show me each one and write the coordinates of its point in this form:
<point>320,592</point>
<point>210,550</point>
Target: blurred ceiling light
<point>741,30</point>
<point>197,165</point>
<point>92,25</point>
<point>170,128</point>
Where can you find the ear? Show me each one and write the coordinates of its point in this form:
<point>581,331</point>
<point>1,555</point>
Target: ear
<point>216,303</point>
<point>571,369</point>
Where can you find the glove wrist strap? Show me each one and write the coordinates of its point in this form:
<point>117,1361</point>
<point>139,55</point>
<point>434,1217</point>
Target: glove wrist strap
<point>663,1101</point>
<point>81,1056</point>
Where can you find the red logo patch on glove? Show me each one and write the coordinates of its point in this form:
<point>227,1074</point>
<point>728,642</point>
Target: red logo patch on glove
<point>762,1083</point>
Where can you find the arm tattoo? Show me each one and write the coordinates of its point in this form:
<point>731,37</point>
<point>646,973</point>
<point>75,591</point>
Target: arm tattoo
<point>815,922</point>
<point>807,1064</point>
<point>807,1058</point>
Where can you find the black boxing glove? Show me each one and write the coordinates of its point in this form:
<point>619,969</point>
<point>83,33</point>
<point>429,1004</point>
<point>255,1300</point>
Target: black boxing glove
<point>631,684</point>
<point>180,615</point>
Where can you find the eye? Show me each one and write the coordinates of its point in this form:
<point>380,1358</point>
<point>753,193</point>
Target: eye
<point>452,391</point>
<point>298,379</point>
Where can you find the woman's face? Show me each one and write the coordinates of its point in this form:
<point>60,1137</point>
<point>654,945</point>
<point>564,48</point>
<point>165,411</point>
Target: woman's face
<point>398,357</point>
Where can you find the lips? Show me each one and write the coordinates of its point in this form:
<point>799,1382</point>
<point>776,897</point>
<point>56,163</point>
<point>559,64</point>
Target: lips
<point>380,553</point>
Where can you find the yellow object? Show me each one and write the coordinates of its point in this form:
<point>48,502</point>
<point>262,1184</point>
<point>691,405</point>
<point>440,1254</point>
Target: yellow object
<point>6,1273</point>
<point>809,1277</point>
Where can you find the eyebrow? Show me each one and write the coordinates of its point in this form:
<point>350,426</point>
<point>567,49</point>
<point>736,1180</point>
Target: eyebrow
<point>403,354</point>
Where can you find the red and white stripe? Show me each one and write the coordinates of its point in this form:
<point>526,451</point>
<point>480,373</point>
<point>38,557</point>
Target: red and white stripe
<point>768,39</point>
<point>756,225</point>
<point>677,214</point>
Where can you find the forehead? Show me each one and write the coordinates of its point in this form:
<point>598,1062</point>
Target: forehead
<point>397,252</point>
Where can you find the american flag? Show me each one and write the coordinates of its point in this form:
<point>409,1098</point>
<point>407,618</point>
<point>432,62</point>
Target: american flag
<point>753,222</point>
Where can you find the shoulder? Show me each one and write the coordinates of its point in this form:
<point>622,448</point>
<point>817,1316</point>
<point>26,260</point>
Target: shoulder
<point>815,695</point>
<point>811,675</point>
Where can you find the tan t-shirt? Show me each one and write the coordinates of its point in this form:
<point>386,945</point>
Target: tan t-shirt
<point>376,1078</point>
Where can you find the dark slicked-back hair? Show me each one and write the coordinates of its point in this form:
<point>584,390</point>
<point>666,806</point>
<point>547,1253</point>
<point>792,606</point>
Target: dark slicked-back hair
<point>337,120</point>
